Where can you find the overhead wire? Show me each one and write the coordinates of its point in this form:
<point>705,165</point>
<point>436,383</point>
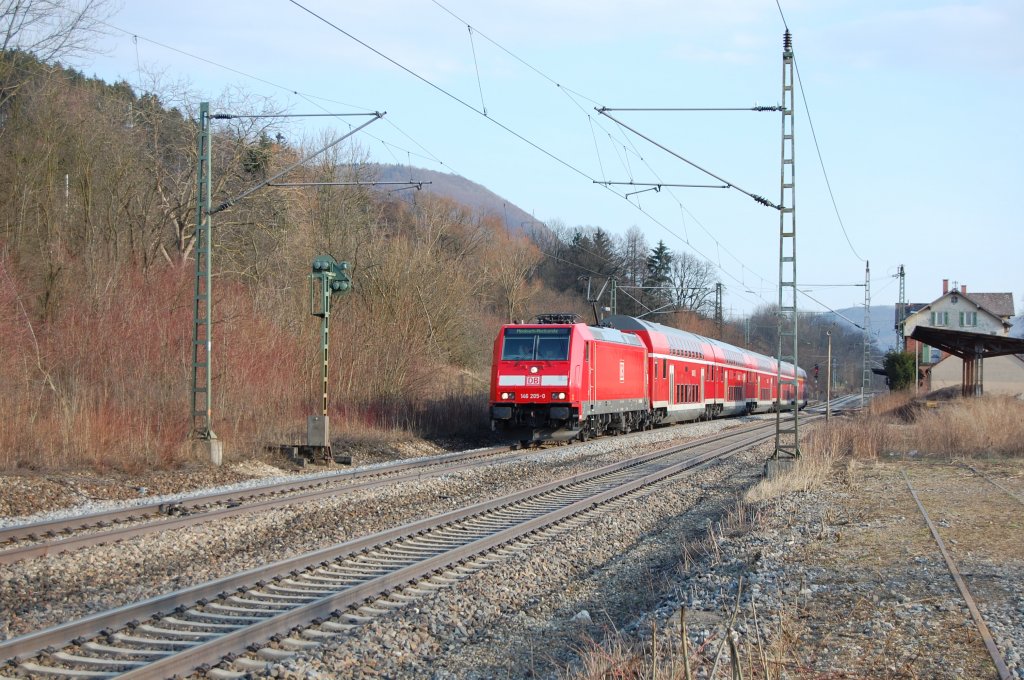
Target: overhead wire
<point>480,112</point>
<point>310,98</point>
<point>623,159</point>
<point>817,147</point>
<point>570,93</point>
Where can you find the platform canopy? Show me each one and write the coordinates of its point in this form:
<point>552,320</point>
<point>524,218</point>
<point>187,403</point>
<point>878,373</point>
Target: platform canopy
<point>973,348</point>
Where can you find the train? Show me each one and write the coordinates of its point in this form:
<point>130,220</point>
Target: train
<point>557,378</point>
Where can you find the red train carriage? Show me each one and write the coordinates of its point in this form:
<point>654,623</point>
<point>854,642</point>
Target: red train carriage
<point>557,378</point>
<point>697,377</point>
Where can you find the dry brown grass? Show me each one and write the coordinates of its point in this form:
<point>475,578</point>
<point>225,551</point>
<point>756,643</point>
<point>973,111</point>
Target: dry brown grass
<point>758,654</point>
<point>820,449</point>
<point>986,426</point>
<point>899,424</point>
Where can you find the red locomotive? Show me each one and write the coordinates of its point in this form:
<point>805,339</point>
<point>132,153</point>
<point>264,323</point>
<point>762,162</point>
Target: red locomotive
<point>558,378</point>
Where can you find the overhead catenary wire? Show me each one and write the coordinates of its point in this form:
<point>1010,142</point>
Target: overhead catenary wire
<point>759,199</point>
<point>480,112</point>
<point>571,94</point>
<point>231,201</point>
<point>817,147</point>
<point>310,98</point>
<point>476,64</point>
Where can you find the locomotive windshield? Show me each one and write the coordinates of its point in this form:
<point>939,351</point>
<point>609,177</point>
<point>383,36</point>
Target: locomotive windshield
<point>527,344</point>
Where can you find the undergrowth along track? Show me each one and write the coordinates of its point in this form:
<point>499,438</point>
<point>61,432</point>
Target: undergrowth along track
<point>204,624</point>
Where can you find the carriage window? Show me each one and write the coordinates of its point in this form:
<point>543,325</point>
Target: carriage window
<point>525,344</point>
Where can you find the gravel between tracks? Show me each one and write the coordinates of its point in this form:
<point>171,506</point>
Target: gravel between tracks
<point>848,573</point>
<point>58,588</point>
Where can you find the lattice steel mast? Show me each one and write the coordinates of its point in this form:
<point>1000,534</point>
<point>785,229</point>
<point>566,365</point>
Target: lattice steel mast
<point>901,312</point>
<point>202,356</point>
<point>865,384</point>
<point>787,439</point>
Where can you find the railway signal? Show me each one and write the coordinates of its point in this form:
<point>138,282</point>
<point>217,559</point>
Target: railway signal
<point>327,279</point>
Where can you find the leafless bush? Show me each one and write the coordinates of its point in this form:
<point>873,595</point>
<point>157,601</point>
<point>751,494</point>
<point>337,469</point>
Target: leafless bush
<point>970,427</point>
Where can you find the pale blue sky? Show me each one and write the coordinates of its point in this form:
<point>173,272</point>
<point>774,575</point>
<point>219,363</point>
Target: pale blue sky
<point>916,105</point>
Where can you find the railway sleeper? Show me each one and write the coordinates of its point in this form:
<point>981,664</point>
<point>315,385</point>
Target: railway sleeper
<point>36,669</point>
<point>209,626</point>
<point>222,618</point>
<point>318,634</point>
<point>371,611</point>
<point>125,651</point>
<point>170,632</point>
<point>298,589</point>
<point>256,600</point>
<point>275,654</point>
<point>257,612</point>
<point>250,665</point>
<point>96,662</point>
<point>298,644</point>
<point>267,593</point>
<point>149,643</point>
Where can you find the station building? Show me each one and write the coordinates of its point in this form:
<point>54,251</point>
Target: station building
<point>958,310</point>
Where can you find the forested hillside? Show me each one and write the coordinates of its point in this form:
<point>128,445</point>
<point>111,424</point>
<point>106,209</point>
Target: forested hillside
<point>97,229</point>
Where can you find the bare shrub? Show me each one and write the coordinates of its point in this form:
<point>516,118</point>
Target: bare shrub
<point>819,451</point>
<point>969,427</point>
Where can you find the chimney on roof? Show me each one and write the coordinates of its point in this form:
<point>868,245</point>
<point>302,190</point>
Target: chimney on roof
<point>945,286</point>
<point>963,289</point>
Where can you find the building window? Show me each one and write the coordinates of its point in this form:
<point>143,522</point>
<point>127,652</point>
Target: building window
<point>940,318</point>
<point>968,319</point>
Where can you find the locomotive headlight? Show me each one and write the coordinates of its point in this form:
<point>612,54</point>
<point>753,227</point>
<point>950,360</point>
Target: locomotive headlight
<point>559,395</point>
<point>533,369</point>
<point>506,396</point>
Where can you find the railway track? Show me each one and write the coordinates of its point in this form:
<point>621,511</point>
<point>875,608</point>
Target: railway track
<point>848,402</point>
<point>36,539</point>
<point>337,587</point>
<point>1002,670</point>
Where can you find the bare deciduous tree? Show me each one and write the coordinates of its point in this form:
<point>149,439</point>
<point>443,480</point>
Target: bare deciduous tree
<point>49,31</point>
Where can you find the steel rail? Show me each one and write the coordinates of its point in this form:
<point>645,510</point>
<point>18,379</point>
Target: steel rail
<point>215,650</point>
<point>154,517</point>
<point>161,510</point>
<point>30,644</point>
<point>994,483</point>
<point>965,592</point>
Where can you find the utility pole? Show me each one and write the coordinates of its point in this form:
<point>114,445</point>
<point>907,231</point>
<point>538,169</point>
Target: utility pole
<point>787,436</point>
<point>719,317</point>
<point>865,384</point>
<point>202,340</point>
<point>828,379</point>
<point>901,313</point>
